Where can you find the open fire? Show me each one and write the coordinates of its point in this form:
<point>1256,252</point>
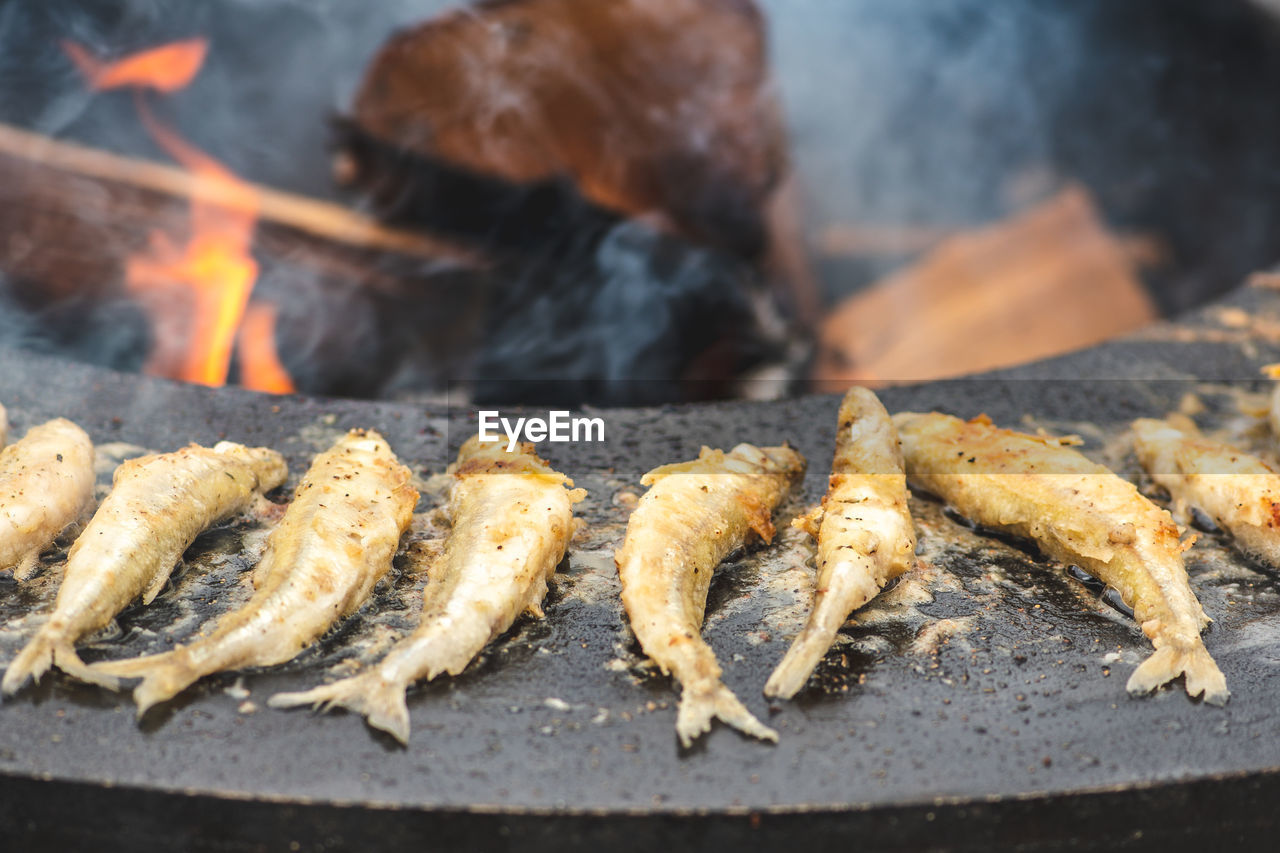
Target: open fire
<point>557,201</point>
<point>195,293</point>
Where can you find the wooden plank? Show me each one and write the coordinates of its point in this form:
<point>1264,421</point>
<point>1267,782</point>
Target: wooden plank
<point>320,219</point>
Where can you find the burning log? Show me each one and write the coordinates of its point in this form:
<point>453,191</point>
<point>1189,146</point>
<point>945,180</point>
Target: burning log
<point>73,216</point>
<point>643,316</point>
<point>94,188</point>
<point>622,270</point>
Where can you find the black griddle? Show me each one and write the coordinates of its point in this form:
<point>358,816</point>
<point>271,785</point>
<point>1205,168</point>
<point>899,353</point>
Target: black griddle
<point>1015,732</point>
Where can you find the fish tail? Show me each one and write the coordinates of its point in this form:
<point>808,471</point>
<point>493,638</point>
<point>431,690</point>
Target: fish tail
<point>32,662</point>
<point>791,673</point>
<point>162,683</point>
<point>380,701</point>
<point>1202,674</point>
<point>848,585</point>
<point>163,676</point>
<point>49,649</point>
<point>701,703</point>
<point>66,659</point>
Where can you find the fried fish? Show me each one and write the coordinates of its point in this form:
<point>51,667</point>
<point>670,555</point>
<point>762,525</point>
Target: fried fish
<point>46,485</point>
<point>694,515</point>
<point>334,542</point>
<point>512,518</point>
<point>864,532</point>
<point>1080,513</point>
<point>157,506</point>
<point>1239,491</point>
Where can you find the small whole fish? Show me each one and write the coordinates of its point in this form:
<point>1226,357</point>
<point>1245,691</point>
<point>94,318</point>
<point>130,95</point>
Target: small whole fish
<point>1239,491</point>
<point>512,518</point>
<point>335,541</point>
<point>46,485</point>
<point>694,515</point>
<point>864,532</point>
<point>1080,513</point>
<point>158,505</point>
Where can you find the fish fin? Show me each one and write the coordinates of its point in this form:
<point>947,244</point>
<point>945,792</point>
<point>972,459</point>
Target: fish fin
<point>27,566</point>
<point>380,701</point>
<point>156,587</point>
<point>75,527</point>
<point>66,659</point>
<point>1202,674</point>
<point>162,683</point>
<point>262,569</point>
<point>536,596</point>
<point>48,649</point>
<point>700,704</point>
<point>811,521</point>
<point>262,509</point>
<point>32,662</point>
<point>163,676</point>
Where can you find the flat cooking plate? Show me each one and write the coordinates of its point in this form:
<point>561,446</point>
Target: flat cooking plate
<point>980,704</point>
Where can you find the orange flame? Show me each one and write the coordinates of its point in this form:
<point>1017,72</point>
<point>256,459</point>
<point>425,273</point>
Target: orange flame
<point>260,367</point>
<point>165,69</point>
<point>196,293</point>
<point>215,265</point>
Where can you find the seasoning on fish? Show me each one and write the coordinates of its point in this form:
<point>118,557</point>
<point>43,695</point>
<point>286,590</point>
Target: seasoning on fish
<point>46,485</point>
<point>695,515</point>
<point>1079,513</point>
<point>864,532</point>
<point>335,541</point>
<point>512,517</point>
<point>1239,491</point>
<point>157,506</point>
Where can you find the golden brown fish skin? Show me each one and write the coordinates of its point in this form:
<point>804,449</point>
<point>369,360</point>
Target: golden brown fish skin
<point>693,516</point>
<point>157,506</point>
<point>1239,491</point>
<point>864,532</point>
<point>1078,512</point>
<point>512,521</point>
<point>335,541</point>
<point>46,485</point>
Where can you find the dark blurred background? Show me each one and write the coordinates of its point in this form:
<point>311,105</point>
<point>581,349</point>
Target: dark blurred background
<point>912,126</point>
